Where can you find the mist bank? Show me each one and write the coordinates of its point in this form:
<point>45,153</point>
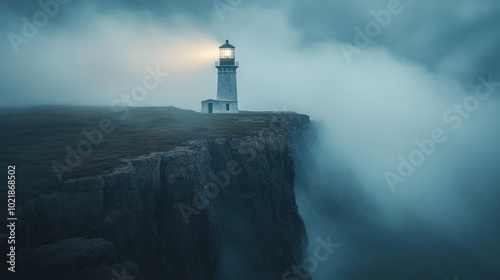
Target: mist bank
<point>440,224</point>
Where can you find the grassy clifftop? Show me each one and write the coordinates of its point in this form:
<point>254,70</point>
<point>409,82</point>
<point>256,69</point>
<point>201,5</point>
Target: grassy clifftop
<point>36,138</point>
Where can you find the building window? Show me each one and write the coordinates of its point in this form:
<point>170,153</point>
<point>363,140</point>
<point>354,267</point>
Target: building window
<point>227,106</point>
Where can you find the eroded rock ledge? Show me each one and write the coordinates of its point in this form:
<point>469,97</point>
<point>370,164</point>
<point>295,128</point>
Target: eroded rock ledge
<point>211,209</point>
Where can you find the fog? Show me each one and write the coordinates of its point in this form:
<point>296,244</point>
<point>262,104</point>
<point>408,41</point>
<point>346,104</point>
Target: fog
<point>370,107</point>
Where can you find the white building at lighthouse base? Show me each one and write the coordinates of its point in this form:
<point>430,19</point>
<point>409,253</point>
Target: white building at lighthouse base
<point>219,106</point>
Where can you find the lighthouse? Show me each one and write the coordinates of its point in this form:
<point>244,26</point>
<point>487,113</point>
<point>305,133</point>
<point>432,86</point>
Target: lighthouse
<point>227,90</point>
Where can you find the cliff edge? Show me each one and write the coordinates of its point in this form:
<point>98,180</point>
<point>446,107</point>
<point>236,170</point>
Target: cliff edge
<point>215,208</point>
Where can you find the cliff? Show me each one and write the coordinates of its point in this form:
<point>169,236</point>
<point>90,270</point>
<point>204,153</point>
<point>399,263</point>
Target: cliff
<point>221,208</point>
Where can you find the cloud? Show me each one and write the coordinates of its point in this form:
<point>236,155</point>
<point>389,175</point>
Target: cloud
<point>426,31</point>
<point>93,62</point>
<point>451,39</point>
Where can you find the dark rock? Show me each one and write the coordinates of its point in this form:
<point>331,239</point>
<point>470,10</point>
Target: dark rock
<point>247,228</point>
<point>76,258</point>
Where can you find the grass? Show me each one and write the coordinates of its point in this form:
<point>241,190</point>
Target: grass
<point>33,138</point>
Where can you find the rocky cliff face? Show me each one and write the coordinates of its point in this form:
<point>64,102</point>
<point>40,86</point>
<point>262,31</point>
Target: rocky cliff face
<point>211,209</point>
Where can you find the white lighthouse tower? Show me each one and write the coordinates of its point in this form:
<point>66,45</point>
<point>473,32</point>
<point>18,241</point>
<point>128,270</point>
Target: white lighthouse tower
<point>227,92</point>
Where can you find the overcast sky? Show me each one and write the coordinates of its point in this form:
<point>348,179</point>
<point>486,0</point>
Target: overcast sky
<point>93,52</point>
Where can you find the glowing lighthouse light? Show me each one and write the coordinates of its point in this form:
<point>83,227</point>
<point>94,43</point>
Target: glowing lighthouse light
<point>226,53</point>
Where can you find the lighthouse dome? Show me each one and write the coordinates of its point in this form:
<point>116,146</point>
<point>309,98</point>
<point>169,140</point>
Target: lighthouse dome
<point>227,46</point>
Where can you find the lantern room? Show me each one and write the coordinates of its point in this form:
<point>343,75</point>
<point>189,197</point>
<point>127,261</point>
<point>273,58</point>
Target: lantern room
<point>226,54</point>
<point>226,51</point>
